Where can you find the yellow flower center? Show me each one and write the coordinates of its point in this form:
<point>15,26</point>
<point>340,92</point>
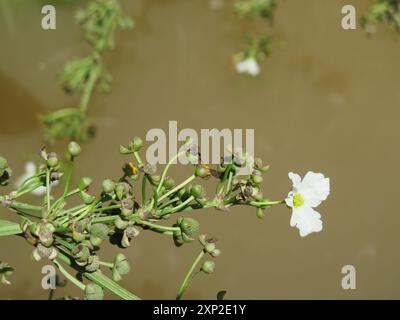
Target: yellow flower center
<point>298,200</point>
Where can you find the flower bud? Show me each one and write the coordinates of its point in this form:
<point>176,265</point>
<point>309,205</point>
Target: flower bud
<point>84,183</point>
<point>45,233</point>
<point>5,271</point>
<point>81,254</point>
<point>52,160</point>
<point>136,144</point>
<point>202,239</point>
<point>216,253</point>
<point>98,232</point>
<point>127,207</point>
<point>259,165</point>
<point>122,189</point>
<point>74,149</point>
<point>93,264</point>
<point>189,228</point>
<point>169,183</point>
<point>260,213</point>
<point>121,267</point>
<point>208,267</point>
<point>78,231</point>
<point>209,247</point>
<point>155,179</point>
<point>124,150</point>
<point>129,233</point>
<point>108,185</point>
<point>197,191</point>
<point>43,252</point>
<point>256,177</point>
<point>120,224</point>
<point>202,171</point>
<point>93,292</point>
<point>86,197</point>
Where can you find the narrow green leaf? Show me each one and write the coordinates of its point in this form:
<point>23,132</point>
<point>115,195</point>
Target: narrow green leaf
<point>8,228</point>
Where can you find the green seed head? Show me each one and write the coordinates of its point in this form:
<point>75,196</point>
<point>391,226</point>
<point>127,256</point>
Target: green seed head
<point>93,292</point>
<point>136,144</point>
<point>74,149</point>
<point>208,267</point>
<point>108,185</point>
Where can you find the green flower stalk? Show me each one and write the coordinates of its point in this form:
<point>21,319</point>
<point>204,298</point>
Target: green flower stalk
<point>258,47</point>
<point>100,20</point>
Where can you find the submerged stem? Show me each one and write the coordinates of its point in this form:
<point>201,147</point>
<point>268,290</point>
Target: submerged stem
<point>188,276</point>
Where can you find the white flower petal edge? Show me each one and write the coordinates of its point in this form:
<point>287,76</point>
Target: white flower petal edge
<point>249,66</point>
<point>30,170</point>
<point>306,194</point>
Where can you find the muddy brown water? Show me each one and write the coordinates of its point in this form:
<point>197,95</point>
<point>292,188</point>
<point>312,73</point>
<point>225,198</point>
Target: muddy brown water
<point>327,100</point>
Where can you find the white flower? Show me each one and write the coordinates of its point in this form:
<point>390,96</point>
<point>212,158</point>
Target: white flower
<point>306,195</point>
<point>30,170</point>
<point>249,66</point>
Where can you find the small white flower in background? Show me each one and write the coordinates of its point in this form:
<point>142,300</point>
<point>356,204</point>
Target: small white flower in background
<point>249,66</point>
<point>306,195</point>
<point>31,170</point>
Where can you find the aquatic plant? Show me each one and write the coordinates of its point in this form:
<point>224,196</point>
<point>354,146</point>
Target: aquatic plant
<point>70,236</point>
<point>258,47</point>
<point>382,11</point>
<point>83,75</point>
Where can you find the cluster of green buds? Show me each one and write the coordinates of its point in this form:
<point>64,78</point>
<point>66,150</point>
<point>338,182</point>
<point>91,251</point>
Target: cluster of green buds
<point>209,247</point>
<point>188,229</point>
<point>100,20</point>
<point>5,172</point>
<point>74,235</point>
<point>382,11</point>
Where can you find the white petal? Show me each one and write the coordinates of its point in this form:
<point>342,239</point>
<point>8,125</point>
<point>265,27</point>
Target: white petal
<point>289,199</point>
<point>306,219</point>
<point>30,170</point>
<point>296,180</point>
<point>314,188</point>
<point>40,191</point>
<point>253,68</point>
<point>249,66</point>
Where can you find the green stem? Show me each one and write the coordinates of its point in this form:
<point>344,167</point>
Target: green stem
<point>106,264</point>
<point>158,227</point>
<point>178,187</point>
<point>48,189</point>
<point>178,207</point>
<point>102,281</point>
<point>170,162</point>
<point>144,180</point>
<point>71,278</point>
<point>115,206</point>
<point>188,276</point>
<point>88,90</point>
